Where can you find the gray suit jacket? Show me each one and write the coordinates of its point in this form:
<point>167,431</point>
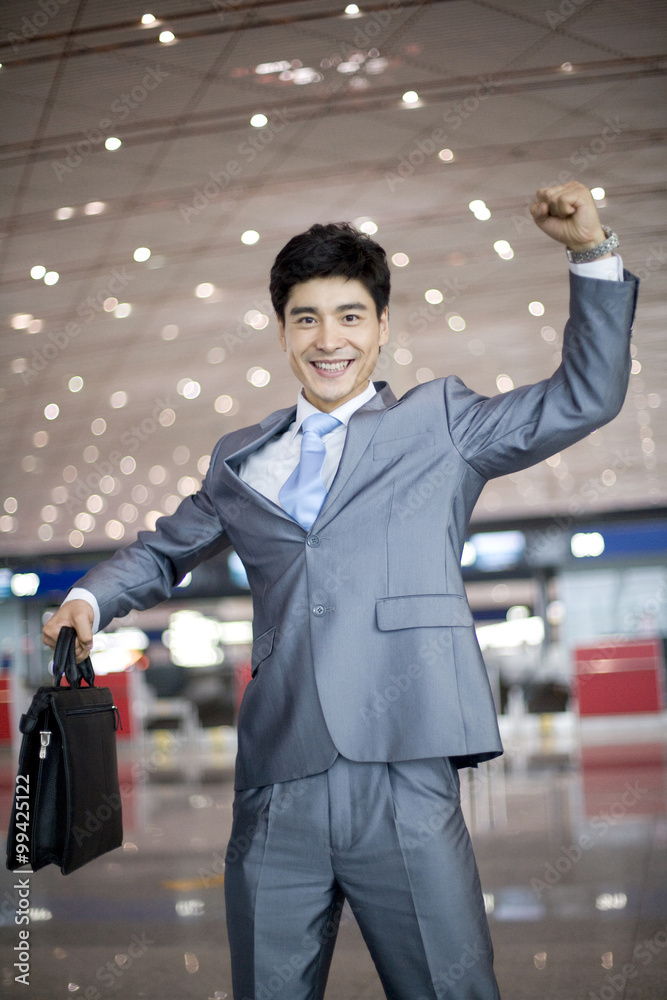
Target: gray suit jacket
<point>364,641</point>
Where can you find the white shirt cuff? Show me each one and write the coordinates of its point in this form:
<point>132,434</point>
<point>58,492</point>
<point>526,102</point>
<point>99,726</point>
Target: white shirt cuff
<point>608,269</point>
<point>81,594</point>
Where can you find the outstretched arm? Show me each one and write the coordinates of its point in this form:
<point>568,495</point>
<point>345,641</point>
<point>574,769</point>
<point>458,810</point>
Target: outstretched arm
<point>512,431</point>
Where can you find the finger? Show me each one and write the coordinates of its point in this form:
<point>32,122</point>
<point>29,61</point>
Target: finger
<point>539,210</point>
<point>559,201</point>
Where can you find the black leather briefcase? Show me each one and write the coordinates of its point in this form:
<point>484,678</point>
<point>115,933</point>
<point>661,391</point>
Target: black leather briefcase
<point>67,805</point>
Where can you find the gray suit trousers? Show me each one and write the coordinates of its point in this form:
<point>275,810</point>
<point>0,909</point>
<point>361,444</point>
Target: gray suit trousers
<point>389,837</point>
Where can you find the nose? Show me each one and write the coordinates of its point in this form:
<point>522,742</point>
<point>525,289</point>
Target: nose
<point>329,337</point>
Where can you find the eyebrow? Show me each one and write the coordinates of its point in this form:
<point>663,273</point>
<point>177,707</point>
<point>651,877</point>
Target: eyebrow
<point>346,307</point>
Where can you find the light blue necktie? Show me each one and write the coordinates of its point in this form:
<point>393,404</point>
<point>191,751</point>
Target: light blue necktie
<point>303,494</point>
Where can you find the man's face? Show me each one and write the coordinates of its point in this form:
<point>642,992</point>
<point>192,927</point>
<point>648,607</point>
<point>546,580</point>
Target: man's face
<point>332,337</point>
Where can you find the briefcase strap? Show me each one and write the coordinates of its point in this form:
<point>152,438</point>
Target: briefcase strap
<point>64,661</point>
<point>41,701</point>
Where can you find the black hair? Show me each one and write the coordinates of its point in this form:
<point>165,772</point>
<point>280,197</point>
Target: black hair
<point>333,250</point>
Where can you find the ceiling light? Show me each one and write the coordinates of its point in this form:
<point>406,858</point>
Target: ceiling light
<point>598,193</point>
<point>35,325</point>
<point>51,278</point>
<point>259,121</point>
<point>456,322</point>
<point>169,332</point>
<point>147,18</point>
<point>272,67</point>
<point>587,544</point>
<point>347,67</point>
<point>127,465</point>
<point>118,399</point>
<point>424,375</point>
<point>402,356</point>
<point>40,439</point>
<point>204,290</point>
<point>114,529</point>
<point>566,67</point>
<point>167,417</point>
<point>112,143</point>
<point>108,484</point>
<point>479,210</point>
<point>400,259</point>
<point>548,334</point>
<point>187,485</point>
<point>191,390</point>
<point>51,411</point>
<point>37,272</point>
<point>110,304</point>
<point>98,426</point>
<point>11,505</point>
<point>365,225</point>
<point>167,37</point>
<point>256,319</point>
<point>503,249</point>
<point>446,155</point>
<point>94,207</point>
<point>122,310</point>
<point>250,237</point>
<point>64,213</point>
<point>258,377</point>
<point>410,97</point>
<point>352,10</point>
<point>84,521</point>
<point>141,254</point>
<point>434,296</point>
<point>536,308</point>
<point>19,321</point>
<point>223,404</point>
<point>216,355</point>
<point>504,383</point>
<point>45,532</point>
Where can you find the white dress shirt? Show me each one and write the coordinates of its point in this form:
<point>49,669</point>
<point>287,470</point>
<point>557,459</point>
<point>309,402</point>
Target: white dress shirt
<point>268,468</point>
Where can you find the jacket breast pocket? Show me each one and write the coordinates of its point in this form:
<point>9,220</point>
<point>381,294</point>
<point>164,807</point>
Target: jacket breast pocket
<point>262,648</point>
<point>394,448</point>
<point>422,611</point>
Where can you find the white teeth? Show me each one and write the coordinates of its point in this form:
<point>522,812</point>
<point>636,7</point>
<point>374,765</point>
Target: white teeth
<point>331,366</point>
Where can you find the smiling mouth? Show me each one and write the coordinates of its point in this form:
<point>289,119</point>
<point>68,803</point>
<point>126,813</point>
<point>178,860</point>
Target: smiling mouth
<point>332,367</point>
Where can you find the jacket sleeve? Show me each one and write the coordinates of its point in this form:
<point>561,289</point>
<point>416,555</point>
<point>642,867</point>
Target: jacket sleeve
<point>502,434</point>
<point>144,573</point>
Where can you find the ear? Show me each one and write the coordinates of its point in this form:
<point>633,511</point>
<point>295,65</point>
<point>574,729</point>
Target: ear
<point>384,326</point>
<point>281,334</point>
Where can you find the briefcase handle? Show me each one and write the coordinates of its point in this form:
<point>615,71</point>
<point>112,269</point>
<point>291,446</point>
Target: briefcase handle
<point>64,661</point>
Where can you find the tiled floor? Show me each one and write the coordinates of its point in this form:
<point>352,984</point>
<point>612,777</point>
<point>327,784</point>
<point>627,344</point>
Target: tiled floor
<point>571,839</point>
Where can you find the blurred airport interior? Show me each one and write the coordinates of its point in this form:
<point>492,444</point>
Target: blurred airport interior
<point>154,160</point>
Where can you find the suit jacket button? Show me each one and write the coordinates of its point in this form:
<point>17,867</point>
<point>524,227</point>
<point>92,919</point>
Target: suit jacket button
<point>313,541</point>
<point>319,609</point>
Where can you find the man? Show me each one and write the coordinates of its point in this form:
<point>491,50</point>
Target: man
<point>368,690</point>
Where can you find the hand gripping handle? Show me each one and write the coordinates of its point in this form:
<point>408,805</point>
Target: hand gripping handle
<point>64,661</point>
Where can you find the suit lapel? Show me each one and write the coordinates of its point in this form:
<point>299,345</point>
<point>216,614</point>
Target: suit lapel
<point>258,435</point>
<point>360,430</point>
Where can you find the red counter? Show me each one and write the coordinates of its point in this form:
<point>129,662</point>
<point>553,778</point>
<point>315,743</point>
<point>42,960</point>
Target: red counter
<point>619,678</point>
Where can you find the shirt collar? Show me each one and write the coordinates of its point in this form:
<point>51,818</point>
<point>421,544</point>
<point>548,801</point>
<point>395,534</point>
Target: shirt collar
<point>343,413</point>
